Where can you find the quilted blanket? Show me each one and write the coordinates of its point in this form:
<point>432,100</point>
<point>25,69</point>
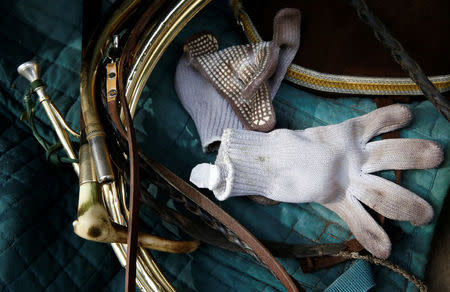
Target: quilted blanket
<point>38,249</point>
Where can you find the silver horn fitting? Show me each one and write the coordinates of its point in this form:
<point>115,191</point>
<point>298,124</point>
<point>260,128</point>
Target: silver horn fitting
<point>29,70</point>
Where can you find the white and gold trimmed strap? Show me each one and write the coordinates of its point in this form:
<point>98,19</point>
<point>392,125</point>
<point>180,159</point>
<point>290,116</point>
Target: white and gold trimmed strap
<point>340,83</point>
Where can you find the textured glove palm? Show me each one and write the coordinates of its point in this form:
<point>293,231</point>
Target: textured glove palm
<point>234,87</point>
<point>330,165</point>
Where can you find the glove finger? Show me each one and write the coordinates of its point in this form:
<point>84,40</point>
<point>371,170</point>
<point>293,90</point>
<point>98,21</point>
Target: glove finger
<point>392,200</point>
<point>402,154</point>
<point>286,40</point>
<point>365,229</point>
<point>382,120</point>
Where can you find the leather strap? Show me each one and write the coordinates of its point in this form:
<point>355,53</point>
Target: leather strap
<point>132,236</point>
<point>250,244</point>
<point>134,180</point>
<point>381,102</point>
<point>133,220</point>
<point>401,56</point>
<point>312,264</point>
<point>200,230</point>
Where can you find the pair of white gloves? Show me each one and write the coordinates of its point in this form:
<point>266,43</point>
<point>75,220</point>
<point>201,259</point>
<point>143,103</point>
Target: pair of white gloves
<point>330,165</point>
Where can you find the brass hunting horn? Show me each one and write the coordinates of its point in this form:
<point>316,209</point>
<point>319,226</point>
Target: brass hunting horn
<point>95,222</point>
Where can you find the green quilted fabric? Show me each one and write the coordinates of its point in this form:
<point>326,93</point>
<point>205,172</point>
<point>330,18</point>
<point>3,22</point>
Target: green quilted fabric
<point>38,249</point>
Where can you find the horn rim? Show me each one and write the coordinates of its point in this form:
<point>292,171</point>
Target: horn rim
<point>29,70</point>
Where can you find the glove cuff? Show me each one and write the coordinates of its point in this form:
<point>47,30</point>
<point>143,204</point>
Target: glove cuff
<point>239,161</point>
<point>211,120</point>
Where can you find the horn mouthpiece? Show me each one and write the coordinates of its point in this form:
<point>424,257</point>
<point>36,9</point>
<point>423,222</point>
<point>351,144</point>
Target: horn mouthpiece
<point>29,70</point>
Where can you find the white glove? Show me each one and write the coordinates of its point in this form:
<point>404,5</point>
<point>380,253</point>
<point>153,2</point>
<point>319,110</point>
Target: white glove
<point>234,87</point>
<point>330,165</point>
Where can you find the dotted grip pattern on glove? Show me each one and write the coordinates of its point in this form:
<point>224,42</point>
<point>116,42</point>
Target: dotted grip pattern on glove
<point>246,76</point>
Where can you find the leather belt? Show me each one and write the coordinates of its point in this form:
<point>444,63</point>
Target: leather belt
<point>134,195</point>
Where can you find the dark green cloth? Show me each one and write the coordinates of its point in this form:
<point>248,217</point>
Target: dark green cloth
<point>38,249</point>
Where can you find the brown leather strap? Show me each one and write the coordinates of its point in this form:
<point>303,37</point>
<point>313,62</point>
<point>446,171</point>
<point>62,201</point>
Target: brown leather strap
<point>312,264</point>
<point>381,102</point>
<point>134,182</point>
<point>133,220</point>
<point>200,230</point>
<point>111,96</point>
<point>252,245</point>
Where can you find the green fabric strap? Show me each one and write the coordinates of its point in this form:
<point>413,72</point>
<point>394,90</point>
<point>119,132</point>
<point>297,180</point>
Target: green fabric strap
<point>50,150</point>
<point>35,84</point>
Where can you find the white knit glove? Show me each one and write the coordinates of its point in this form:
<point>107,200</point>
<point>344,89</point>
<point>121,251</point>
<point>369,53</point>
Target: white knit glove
<point>210,112</point>
<point>330,165</point>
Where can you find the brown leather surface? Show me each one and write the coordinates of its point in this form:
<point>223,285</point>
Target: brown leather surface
<point>134,179</point>
<point>438,268</point>
<point>381,102</point>
<point>243,234</point>
<point>133,219</point>
<point>335,41</point>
